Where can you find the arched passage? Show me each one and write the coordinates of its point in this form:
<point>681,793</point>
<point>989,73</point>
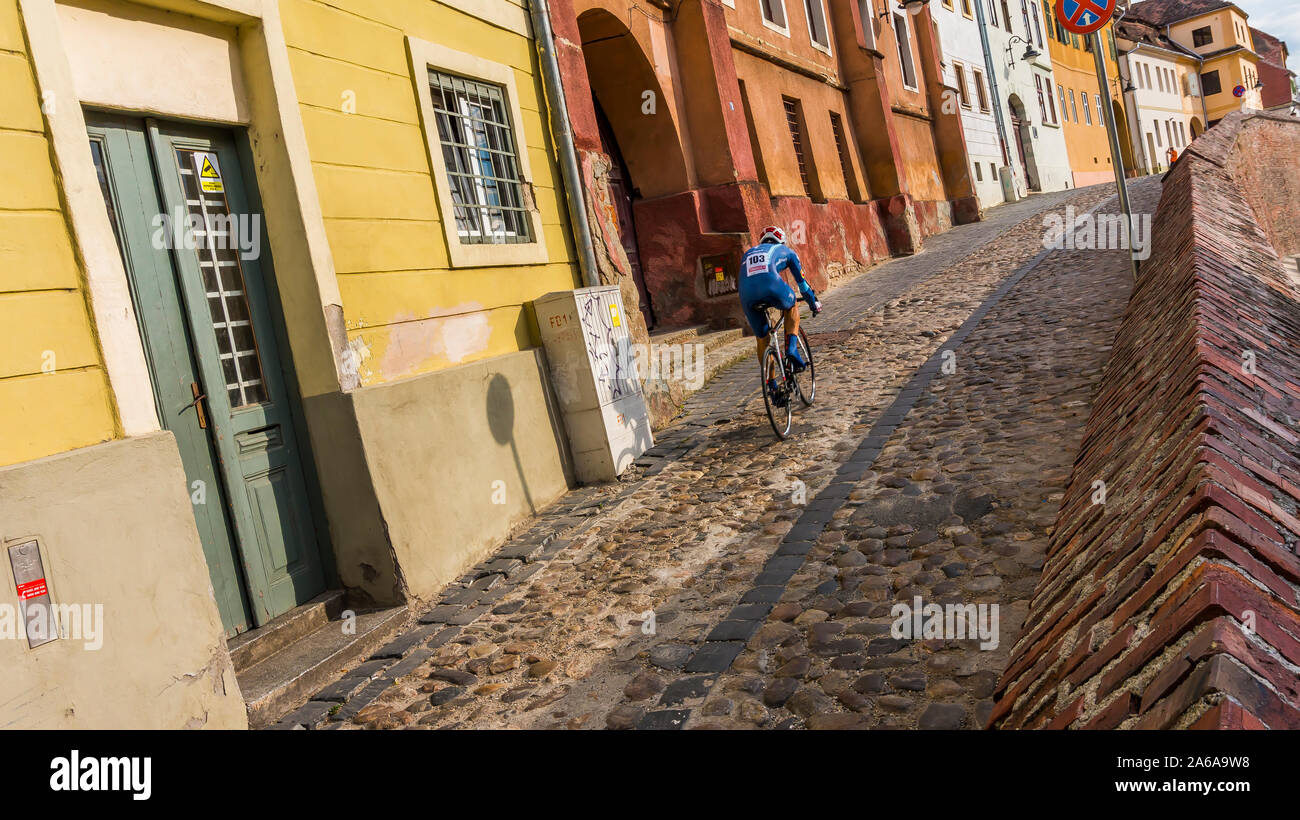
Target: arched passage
<point>1024,142</point>
<point>1197,128</point>
<point>637,132</point>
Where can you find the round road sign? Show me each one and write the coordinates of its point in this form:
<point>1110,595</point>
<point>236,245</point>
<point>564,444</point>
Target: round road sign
<point>1085,16</point>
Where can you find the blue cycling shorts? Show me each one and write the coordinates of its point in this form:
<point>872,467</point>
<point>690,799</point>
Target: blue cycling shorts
<point>759,291</point>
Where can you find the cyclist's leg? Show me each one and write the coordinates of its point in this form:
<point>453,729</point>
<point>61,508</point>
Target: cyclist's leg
<point>788,303</point>
<point>758,323</point>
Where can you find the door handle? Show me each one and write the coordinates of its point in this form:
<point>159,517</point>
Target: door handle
<point>197,404</point>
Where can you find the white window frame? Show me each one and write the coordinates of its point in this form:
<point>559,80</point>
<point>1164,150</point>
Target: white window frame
<point>426,56</point>
<point>963,90</point>
<point>981,90</point>
<point>904,43</point>
<point>782,27</point>
<point>867,13</point>
<point>819,7</point>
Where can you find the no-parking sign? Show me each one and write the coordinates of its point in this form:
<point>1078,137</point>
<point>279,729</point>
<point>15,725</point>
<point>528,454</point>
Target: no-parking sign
<point>1085,16</point>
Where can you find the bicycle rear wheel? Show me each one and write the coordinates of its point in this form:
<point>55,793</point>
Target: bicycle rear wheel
<point>781,417</point>
<point>805,383</point>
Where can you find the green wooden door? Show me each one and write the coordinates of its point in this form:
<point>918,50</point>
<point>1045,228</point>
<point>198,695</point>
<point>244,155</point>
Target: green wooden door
<point>193,247</point>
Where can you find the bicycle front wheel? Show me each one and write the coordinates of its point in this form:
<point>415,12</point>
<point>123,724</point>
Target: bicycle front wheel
<point>776,393</point>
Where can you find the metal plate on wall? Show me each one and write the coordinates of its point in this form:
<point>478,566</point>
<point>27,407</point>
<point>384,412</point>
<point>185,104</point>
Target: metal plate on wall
<point>35,605</point>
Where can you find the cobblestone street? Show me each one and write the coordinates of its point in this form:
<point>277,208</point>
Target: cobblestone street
<point>734,581</point>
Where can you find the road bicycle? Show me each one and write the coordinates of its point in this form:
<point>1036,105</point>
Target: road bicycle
<point>777,377</point>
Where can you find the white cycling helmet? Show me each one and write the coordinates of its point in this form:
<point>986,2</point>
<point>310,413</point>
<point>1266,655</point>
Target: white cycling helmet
<point>772,235</point>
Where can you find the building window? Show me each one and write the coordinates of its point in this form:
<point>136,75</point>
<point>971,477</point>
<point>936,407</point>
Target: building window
<point>1052,22</point>
<point>846,161</point>
<point>1101,119</point>
<point>1211,84</point>
<point>1087,109</point>
<point>993,13</point>
<point>1146,69</point>
<point>1051,103</point>
<point>979,172</point>
<point>959,74</point>
<point>1042,101</point>
<point>981,91</point>
<point>1073,107</point>
<point>1038,26</point>
<point>947,4</point>
<point>1006,16</point>
<point>903,36</point>
<point>1202,36</point>
<point>794,119</point>
<point>1060,95</point>
<point>966,8</point>
<point>478,152</point>
<point>482,164</point>
<point>867,14</point>
<point>817,29</point>
<point>774,14</point>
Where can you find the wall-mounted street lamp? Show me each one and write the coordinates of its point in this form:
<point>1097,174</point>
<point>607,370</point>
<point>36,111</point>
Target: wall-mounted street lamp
<point>1031,53</point>
<point>912,7</point>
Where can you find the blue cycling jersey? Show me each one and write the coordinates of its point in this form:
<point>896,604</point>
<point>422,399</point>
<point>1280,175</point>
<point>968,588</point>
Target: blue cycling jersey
<point>766,263</point>
<point>761,283</point>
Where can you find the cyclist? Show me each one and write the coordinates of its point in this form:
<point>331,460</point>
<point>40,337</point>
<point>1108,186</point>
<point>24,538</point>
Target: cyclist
<point>761,285</point>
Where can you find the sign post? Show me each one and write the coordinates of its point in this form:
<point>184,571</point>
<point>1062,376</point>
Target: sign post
<point>1088,18</point>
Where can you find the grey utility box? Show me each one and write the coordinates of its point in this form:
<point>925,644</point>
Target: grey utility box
<point>590,355</point>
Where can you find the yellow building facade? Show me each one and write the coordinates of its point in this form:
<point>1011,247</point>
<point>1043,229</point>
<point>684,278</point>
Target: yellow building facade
<point>1082,103</point>
<point>1218,35</point>
<point>386,416</point>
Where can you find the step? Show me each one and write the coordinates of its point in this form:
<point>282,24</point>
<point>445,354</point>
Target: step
<point>285,679</point>
<point>259,644</point>
<point>697,334</point>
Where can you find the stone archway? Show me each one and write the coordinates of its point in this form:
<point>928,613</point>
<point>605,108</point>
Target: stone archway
<point>1024,137</point>
<point>1197,128</point>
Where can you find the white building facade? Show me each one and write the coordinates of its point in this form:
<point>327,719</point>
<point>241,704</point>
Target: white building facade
<point>1012,61</point>
<point>966,70</point>
<point>1162,87</point>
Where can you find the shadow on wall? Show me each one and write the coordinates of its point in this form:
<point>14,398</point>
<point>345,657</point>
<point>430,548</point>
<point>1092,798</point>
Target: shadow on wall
<point>501,420</point>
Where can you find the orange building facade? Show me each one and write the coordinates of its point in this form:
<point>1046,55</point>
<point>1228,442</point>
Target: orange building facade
<point>1083,103</point>
<point>697,122</point>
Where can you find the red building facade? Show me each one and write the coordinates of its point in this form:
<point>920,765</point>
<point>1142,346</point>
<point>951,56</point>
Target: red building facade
<point>697,122</point>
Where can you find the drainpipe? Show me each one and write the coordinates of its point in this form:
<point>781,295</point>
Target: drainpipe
<point>568,155</point>
<point>991,70</point>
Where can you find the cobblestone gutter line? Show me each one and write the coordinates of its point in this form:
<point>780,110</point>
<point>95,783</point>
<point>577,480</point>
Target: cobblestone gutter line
<point>539,633</point>
<point>1173,600</point>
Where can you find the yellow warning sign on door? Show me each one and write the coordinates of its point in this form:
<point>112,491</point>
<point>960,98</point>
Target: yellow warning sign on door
<point>209,176</point>
<point>613,315</point>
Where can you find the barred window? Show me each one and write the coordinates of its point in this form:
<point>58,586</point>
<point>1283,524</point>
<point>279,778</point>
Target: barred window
<point>478,147</point>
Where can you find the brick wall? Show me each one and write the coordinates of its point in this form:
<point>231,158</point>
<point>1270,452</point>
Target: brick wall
<point>1266,166</point>
<point>1175,604</point>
